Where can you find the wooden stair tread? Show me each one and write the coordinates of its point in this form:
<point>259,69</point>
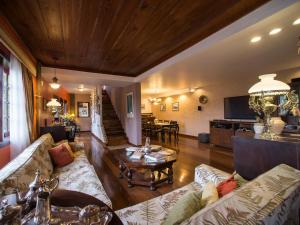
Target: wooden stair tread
<point>111,122</point>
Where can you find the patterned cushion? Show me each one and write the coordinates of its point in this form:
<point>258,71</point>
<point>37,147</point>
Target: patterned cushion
<point>272,198</point>
<point>205,173</point>
<point>81,176</point>
<point>155,210</point>
<point>20,172</point>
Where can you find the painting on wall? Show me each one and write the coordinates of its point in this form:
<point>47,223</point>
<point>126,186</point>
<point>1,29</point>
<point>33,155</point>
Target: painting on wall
<point>83,109</point>
<point>129,104</point>
<point>163,107</point>
<point>175,106</point>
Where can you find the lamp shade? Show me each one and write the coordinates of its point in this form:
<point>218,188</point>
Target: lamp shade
<point>53,103</point>
<point>268,86</point>
<point>54,84</point>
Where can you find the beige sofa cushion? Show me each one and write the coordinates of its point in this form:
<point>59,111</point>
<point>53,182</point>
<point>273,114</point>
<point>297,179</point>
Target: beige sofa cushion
<point>155,210</point>
<point>271,198</point>
<point>20,172</point>
<point>81,176</point>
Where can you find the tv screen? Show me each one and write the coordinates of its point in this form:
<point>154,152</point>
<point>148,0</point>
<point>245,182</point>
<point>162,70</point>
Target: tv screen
<point>238,108</point>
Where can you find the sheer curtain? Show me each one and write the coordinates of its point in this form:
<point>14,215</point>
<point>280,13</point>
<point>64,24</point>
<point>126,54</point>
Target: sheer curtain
<point>28,90</point>
<point>19,132</point>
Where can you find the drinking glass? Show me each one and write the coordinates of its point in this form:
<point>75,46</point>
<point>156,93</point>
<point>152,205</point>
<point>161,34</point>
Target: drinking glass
<point>147,142</point>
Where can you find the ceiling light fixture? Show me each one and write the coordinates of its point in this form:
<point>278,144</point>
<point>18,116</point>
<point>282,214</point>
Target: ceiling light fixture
<point>154,101</point>
<point>275,31</point>
<point>81,88</point>
<point>54,84</point>
<point>255,39</point>
<point>296,22</point>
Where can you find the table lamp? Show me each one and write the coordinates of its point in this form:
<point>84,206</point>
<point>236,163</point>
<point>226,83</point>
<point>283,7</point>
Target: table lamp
<point>262,100</point>
<point>53,106</point>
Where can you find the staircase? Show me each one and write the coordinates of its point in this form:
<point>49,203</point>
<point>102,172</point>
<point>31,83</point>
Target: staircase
<point>112,125</point>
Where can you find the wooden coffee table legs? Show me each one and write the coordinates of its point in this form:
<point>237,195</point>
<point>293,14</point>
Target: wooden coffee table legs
<point>152,182</point>
<point>170,175</point>
<point>129,178</point>
<point>158,175</point>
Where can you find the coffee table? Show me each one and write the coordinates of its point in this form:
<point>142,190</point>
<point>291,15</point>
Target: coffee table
<point>159,171</point>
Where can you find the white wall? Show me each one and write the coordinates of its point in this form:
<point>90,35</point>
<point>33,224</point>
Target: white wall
<point>84,123</point>
<point>96,119</point>
<point>147,105</point>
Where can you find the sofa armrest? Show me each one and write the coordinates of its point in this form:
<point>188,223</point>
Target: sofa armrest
<point>205,173</point>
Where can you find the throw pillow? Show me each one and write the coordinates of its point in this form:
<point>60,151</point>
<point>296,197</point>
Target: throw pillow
<point>239,179</point>
<point>184,208</point>
<point>209,194</point>
<point>61,156</point>
<point>66,144</point>
<point>227,186</point>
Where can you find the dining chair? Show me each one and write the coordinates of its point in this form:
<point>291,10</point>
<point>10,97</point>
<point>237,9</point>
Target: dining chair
<point>174,128</point>
<point>148,128</point>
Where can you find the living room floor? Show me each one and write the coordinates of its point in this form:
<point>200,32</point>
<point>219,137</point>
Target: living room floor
<point>190,154</point>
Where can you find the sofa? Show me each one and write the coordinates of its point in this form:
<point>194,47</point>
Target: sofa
<point>271,198</point>
<point>77,176</point>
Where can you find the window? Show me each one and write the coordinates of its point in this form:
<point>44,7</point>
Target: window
<point>4,97</point>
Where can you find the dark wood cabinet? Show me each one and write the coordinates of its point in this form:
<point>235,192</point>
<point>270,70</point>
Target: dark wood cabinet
<point>254,156</point>
<point>221,131</point>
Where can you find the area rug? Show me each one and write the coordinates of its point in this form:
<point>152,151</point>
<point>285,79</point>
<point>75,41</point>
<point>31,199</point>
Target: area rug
<point>116,147</point>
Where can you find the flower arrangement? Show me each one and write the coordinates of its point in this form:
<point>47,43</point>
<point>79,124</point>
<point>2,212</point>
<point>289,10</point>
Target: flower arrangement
<point>67,117</point>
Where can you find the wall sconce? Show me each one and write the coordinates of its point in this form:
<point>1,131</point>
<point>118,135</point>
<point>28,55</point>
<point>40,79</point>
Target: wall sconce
<point>154,101</point>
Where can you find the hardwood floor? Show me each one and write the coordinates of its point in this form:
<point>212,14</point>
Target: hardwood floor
<point>190,154</point>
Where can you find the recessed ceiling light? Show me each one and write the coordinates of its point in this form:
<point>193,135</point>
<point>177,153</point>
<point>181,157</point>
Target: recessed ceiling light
<point>255,39</point>
<point>296,22</point>
<point>275,31</point>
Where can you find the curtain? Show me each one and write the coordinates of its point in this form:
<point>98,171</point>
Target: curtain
<point>19,132</point>
<point>28,90</point>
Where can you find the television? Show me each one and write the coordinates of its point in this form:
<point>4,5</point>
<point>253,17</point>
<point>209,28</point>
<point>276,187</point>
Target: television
<point>238,108</point>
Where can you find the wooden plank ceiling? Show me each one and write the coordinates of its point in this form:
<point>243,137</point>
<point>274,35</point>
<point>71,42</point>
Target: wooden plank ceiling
<point>123,37</point>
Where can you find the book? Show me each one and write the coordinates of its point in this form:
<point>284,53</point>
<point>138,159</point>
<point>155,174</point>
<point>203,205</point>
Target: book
<point>155,156</point>
<point>132,149</point>
<point>167,152</point>
<point>137,155</point>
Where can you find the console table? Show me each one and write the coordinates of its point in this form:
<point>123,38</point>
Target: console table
<point>254,156</point>
<point>221,131</point>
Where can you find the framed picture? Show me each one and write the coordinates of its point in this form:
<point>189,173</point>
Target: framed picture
<point>175,106</point>
<point>129,104</point>
<point>163,107</point>
<point>83,109</point>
